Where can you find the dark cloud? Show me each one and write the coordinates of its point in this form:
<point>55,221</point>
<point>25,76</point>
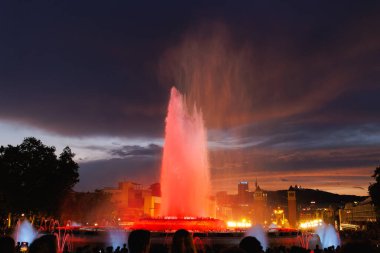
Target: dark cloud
<point>90,68</point>
<point>284,87</point>
<point>107,173</point>
<point>135,150</point>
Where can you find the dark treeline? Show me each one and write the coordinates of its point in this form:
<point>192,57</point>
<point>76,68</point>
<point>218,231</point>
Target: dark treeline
<point>37,182</point>
<point>34,179</point>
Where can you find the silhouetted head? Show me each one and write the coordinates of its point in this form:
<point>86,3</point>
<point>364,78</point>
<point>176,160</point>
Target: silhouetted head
<point>139,241</point>
<point>358,246</point>
<point>296,249</point>
<point>109,249</point>
<point>7,244</point>
<point>251,245</point>
<point>183,242</point>
<point>233,250</point>
<point>44,244</point>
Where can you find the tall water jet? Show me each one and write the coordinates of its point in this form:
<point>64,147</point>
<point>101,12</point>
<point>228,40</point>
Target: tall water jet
<point>185,179</point>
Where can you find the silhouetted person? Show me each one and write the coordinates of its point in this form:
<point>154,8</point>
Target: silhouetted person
<point>296,249</point>
<point>183,242</point>
<point>360,246</point>
<point>159,248</point>
<point>7,244</point>
<point>139,241</point>
<point>317,249</point>
<point>251,245</point>
<point>233,250</point>
<point>124,249</point>
<point>109,249</point>
<point>18,246</point>
<point>117,250</point>
<point>44,244</point>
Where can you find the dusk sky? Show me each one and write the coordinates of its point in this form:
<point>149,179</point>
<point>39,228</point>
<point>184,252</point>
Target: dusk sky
<point>289,90</point>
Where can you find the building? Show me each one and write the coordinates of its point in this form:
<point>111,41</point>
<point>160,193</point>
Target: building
<point>357,215</point>
<point>292,207</point>
<point>243,204</point>
<point>260,212</point>
<point>224,203</point>
<point>133,201</point>
<point>243,193</point>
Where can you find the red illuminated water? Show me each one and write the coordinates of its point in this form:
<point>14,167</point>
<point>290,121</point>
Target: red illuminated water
<point>185,179</point>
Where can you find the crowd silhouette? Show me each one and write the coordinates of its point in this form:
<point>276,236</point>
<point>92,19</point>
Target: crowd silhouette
<point>139,241</point>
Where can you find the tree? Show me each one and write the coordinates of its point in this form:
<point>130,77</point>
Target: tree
<point>374,191</point>
<point>32,178</point>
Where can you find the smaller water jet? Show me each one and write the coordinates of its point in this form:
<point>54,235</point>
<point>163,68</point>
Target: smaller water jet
<point>304,239</point>
<point>260,234</point>
<point>24,232</point>
<point>117,237</point>
<point>328,235</point>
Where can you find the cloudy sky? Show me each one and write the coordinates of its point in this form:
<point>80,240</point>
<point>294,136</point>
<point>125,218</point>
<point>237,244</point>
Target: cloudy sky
<point>289,90</point>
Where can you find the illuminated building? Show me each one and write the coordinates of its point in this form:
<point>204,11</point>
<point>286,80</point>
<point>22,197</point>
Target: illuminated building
<point>260,214</point>
<point>133,201</point>
<point>224,205</point>
<point>313,215</point>
<point>292,207</point>
<point>357,215</point>
<point>311,224</point>
<point>309,212</point>
<point>235,207</point>
<point>243,193</point>
<point>242,209</point>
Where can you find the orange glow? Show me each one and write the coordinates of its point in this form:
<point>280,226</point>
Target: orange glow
<point>239,224</point>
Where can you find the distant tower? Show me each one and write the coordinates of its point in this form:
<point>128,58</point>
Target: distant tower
<point>292,207</point>
<point>260,205</point>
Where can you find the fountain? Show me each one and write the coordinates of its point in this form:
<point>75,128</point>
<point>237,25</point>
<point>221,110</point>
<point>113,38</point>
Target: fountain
<point>185,179</point>
<point>24,232</point>
<point>260,234</point>
<point>117,237</point>
<point>328,235</point>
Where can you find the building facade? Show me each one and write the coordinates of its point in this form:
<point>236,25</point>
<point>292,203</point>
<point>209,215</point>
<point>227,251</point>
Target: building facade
<point>357,215</point>
<point>260,212</point>
<point>133,201</point>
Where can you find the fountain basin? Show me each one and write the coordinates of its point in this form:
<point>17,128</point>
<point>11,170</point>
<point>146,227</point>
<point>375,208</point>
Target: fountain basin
<point>174,223</point>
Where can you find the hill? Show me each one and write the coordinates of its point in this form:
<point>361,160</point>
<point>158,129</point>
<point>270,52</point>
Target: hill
<point>305,196</point>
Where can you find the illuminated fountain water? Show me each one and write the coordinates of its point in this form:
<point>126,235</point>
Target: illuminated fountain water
<point>328,235</point>
<point>185,180</point>
<point>24,232</point>
<point>260,234</point>
<point>116,237</point>
<point>185,177</point>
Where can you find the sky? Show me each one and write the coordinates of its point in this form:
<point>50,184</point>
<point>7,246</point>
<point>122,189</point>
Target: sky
<point>289,90</point>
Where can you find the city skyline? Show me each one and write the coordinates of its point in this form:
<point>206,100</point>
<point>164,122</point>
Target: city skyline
<point>289,92</point>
